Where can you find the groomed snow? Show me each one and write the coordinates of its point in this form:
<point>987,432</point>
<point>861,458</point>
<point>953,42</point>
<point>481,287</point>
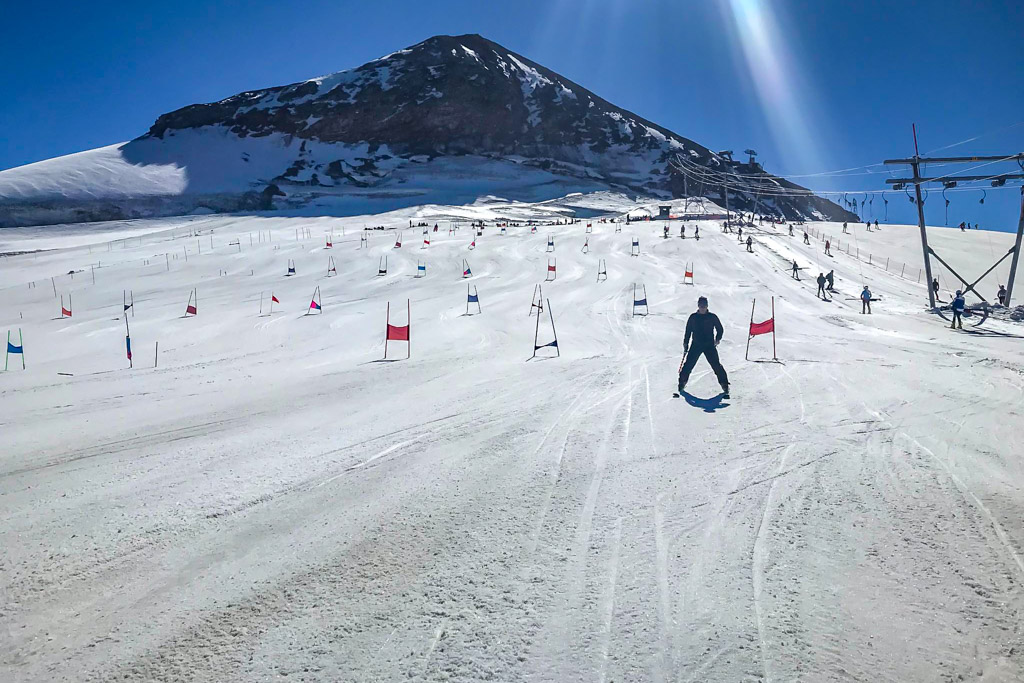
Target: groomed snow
<point>271,500</point>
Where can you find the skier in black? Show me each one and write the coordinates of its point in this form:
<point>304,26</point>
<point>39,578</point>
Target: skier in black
<point>807,239</point>
<point>935,287</point>
<point>821,287</point>
<point>705,330</point>
<point>1001,295</point>
<point>790,230</point>
<point>750,244</point>
<point>696,232</point>
<point>830,279</point>
<point>796,271</point>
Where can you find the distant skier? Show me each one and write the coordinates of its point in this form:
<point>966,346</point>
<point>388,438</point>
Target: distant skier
<point>796,271</point>
<point>705,330</point>
<point>935,287</point>
<point>682,231</point>
<point>750,244</point>
<point>739,235</point>
<point>868,224</point>
<point>821,287</point>
<point>790,230</point>
<point>962,228</point>
<point>959,304</point>
<point>876,224</point>
<point>828,246</point>
<point>845,231</point>
<point>664,232</point>
<point>696,232</point>
<point>830,279</point>
<point>865,301</point>
<point>1001,295</point>
<point>807,239</point>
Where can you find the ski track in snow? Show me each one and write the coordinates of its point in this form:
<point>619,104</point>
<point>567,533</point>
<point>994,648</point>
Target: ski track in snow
<point>272,500</point>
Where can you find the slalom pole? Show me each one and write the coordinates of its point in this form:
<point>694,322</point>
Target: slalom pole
<point>775,356</point>
<point>408,333</point>
<point>551,315</point>
<point>261,303</point>
<point>7,355</point>
<point>387,324</point>
<point>747,352</point>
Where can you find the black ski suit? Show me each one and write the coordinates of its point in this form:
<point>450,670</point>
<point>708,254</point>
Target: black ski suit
<point>704,330</point>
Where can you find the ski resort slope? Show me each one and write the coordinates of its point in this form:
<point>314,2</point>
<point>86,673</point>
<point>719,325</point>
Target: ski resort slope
<point>275,500</point>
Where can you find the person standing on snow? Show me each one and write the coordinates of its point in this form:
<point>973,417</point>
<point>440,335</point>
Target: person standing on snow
<point>845,231</point>
<point>696,232</point>
<point>807,239</point>
<point>821,287</point>
<point>828,245</point>
<point>876,224</point>
<point>796,271</point>
<point>1001,295</point>
<point>865,301</point>
<point>935,287</point>
<point>791,230</point>
<point>959,304</point>
<point>705,330</point>
<point>750,244</point>
<point>830,279</point>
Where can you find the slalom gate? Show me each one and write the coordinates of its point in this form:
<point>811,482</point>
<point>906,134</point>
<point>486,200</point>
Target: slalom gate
<point>765,327</point>
<point>18,349</point>
<point>398,241</point>
<point>641,302</point>
<point>586,246</point>
<point>688,274</point>
<point>315,302</point>
<point>291,268</point>
<point>331,268</point>
<point>421,269</point>
<point>473,298</point>
<point>634,249</point>
<point>65,312</point>
<point>382,266</point>
<point>551,244</point>
<point>537,300</point>
<point>536,333</point>
<point>602,270</point>
<point>192,307</point>
<point>396,333</point>
<point>552,270</point>
<point>466,270</point>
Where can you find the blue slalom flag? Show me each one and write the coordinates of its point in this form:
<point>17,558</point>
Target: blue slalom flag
<point>11,348</point>
<point>128,346</point>
<point>474,299</point>
<point>642,302</point>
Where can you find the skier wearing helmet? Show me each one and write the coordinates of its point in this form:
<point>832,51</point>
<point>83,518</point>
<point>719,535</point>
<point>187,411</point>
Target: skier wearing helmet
<point>959,304</point>
<point>705,330</point>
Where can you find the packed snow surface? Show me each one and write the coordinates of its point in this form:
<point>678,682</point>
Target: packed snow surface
<point>273,499</point>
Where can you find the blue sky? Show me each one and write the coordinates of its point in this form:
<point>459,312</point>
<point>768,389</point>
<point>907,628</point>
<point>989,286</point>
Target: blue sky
<point>813,86</point>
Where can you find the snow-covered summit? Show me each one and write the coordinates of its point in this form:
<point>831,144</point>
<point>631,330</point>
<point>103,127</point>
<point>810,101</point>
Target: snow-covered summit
<point>361,130</point>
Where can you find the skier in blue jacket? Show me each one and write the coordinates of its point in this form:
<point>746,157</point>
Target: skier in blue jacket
<point>959,304</point>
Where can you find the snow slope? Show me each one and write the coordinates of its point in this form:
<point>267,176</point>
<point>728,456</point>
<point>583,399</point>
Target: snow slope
<point>272,500</point>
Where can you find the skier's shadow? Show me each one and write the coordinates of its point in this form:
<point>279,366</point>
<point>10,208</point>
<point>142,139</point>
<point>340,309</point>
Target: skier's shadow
<point>708,405</point>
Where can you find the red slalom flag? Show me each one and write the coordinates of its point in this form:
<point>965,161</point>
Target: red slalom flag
<point>65,312</point>
<point>762,328</point>
<point>314,305</point>
<point>274,299</point>
<point>396,333</point>
<point>190,310</point>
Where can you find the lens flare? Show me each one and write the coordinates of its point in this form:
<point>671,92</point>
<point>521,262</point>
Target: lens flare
<point>766,51</point>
